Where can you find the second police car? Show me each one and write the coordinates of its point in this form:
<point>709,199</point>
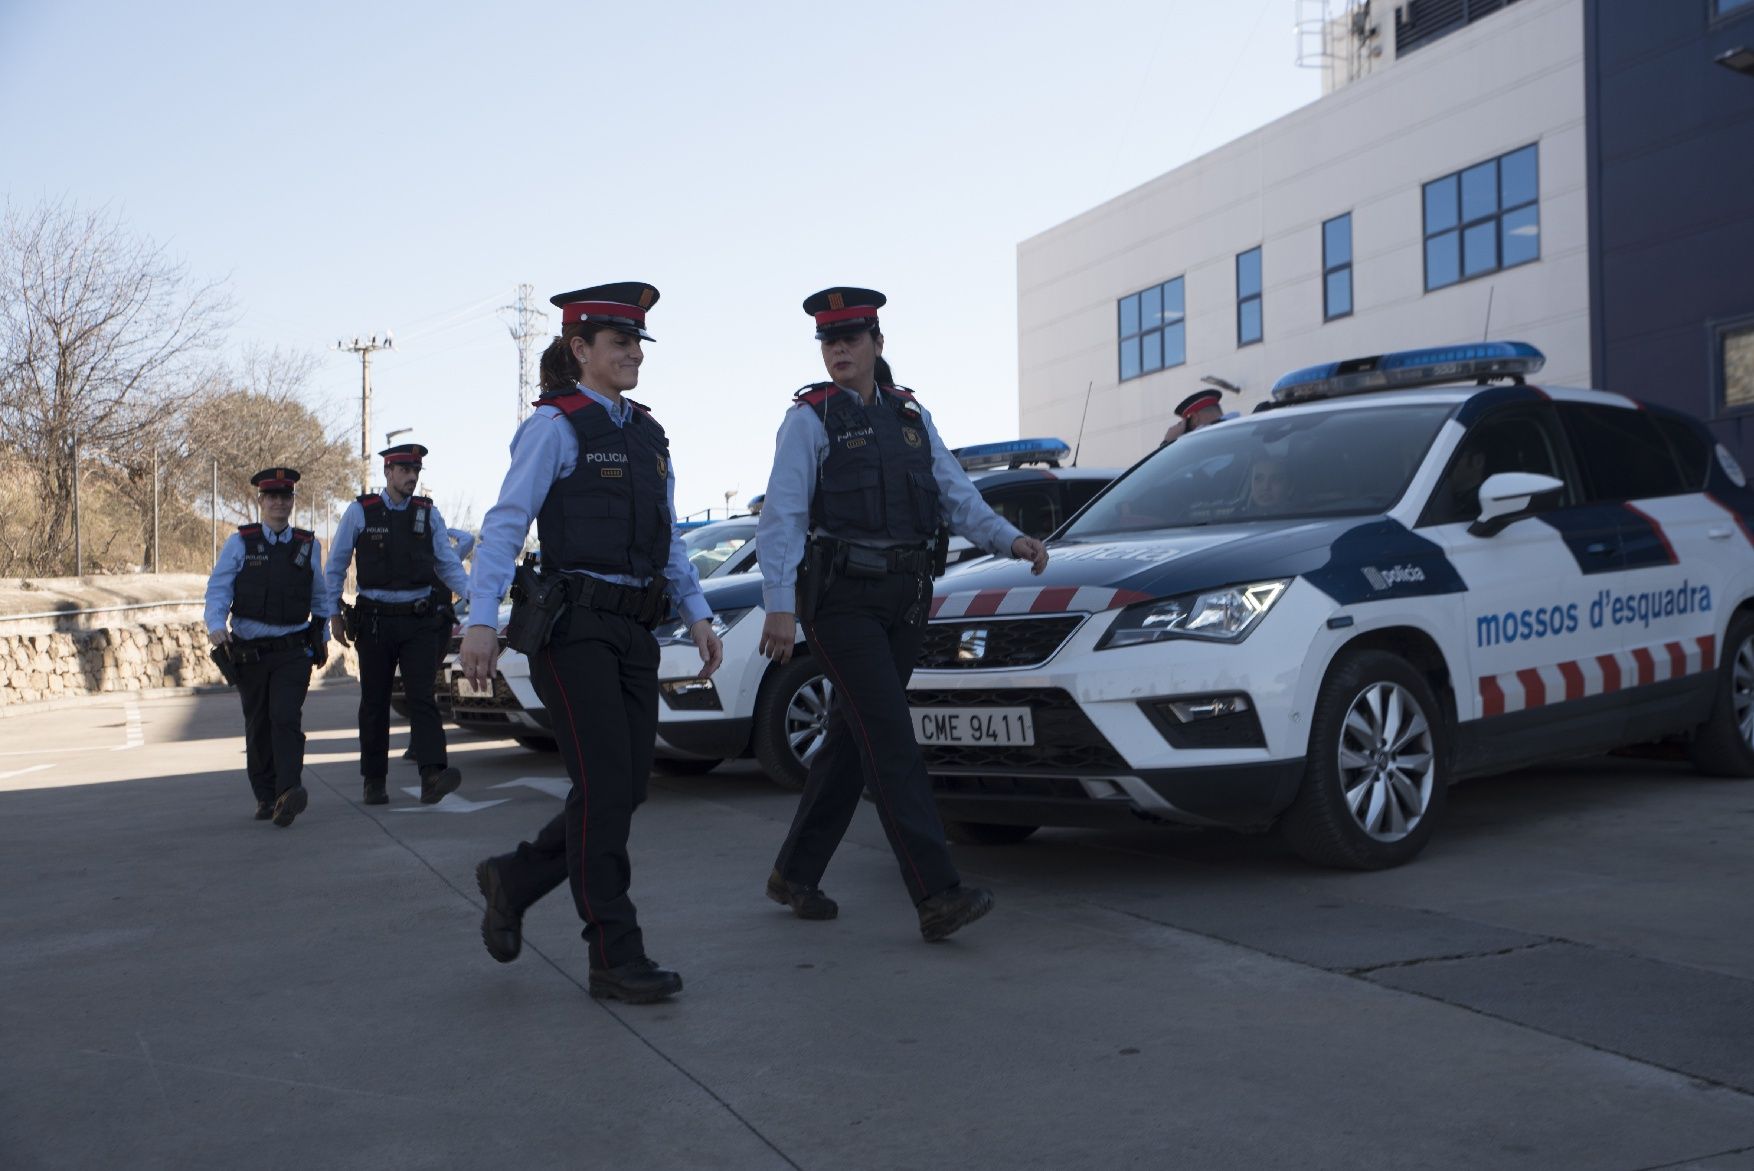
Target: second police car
<point>779,713</point>
<point>1407,570</point>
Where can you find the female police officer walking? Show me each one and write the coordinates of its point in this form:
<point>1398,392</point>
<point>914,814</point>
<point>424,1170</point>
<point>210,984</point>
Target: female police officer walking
<point>593,469</point>
<point>860,485</point>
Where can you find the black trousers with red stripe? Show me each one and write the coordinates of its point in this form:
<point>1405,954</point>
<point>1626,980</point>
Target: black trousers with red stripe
<point>598,679</point>
<point>868,648</point>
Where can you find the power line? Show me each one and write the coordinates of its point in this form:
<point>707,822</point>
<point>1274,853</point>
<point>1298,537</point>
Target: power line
<point>365,349</point>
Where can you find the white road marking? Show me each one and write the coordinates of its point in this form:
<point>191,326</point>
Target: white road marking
<point>554,787</point>
<point>19,772</point>
<point>135,737</point>
<point>451,803</point>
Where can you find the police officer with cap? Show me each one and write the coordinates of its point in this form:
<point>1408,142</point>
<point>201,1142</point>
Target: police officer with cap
<point>444,606</point>
<point>266,582</point>
<point>592,468</point>
<point>1200,409</point>
<point>400,543</point>
<point>861,485</point>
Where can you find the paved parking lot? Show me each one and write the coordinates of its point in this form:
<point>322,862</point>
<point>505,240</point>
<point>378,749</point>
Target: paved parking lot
<point>1564,979</point>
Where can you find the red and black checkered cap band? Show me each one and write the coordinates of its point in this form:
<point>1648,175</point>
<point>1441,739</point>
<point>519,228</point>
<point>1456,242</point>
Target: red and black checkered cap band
<point>274,486</point>
<point>603,311</point>
<point>850,313</point>
<point>402,457</point>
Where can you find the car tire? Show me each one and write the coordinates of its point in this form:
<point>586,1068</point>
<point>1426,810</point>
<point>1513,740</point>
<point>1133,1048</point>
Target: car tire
<point>537,743</point>
<point>791,720</point>
<point>1723,746</point>
<point>679,767</point>
<point>986,833</point>
<point>1376,781</point>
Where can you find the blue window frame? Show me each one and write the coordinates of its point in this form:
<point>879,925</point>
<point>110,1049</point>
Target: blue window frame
<point>1248,297</point>
<point>1482,219</point>
<point>1337,267</point>
<point>1152,329</point>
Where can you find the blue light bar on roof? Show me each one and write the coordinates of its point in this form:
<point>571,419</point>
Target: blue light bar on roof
<point>1409,368</point>
<point>1011,453</point>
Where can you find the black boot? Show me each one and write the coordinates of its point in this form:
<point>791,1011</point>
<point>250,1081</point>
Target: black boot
<point>807,902</point>
<point>435,782</point>
<point>637,982</point>
<point>408,753</point>
<point>950,910</point>
<point>264,810</point>
<point>374,791</point>
<point>289,805</point>
<point>502,927</point>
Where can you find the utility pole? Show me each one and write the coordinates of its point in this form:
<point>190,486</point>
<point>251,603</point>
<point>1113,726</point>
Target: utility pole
<point>78,535</point>
<point>365,349</point>
<point>155,567</point>
<point>527,325</point>
<point>213,510</point>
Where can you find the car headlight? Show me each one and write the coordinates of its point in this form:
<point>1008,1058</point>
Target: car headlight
<point>1222,615</point>
<point>677,631</point>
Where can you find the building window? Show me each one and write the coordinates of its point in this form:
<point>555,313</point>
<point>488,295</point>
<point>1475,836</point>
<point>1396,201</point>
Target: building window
<point>1736,364</point>
<point>1483,219</point>
<point>1419,22</point>
<point>1248,297</point>
<point>1153,330</point>
<point>1337,267</point>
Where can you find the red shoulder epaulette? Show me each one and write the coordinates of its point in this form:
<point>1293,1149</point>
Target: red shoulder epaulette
<point>369,498</point>
<point>813,395</point>
<point>303,535</point>
<point>571,402</point>
<point>640,405</point>
<point>900,392</point>
<point>422,501</point>
<point>250,530</point>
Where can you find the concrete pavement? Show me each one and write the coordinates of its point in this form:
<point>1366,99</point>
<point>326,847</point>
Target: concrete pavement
<point>1563,980</point>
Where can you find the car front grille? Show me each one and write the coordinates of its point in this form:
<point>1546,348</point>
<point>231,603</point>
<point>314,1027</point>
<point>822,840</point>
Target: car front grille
<point>974,643</point>
<point>1057,788</point>
<point>1065,739</point>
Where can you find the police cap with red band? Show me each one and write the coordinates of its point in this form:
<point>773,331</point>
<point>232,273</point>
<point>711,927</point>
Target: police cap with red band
<point>275,479</point>
<point>621,306</point>
<point>404,453</point>
<point>843,310</point>
<point>1199,400</point>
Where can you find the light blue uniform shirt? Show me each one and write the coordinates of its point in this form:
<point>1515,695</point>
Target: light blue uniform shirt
<point>450,570</point>
<point>546,449</point>
<point>223,582</point>
<point>784,527</point>
<point>465,541</point>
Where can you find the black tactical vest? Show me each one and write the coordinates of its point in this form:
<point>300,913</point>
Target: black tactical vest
<point>875,484</point>
<point>612,514</point>
<point>274,586</point>
<point>394,549</point>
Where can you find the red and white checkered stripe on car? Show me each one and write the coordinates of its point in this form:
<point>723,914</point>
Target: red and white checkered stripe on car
<point>1034,600</point>
<point>1534,687</point>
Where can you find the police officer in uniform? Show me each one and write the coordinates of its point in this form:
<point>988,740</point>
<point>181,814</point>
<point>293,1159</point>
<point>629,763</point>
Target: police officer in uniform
<point>266,581</point>
<point>401,544</point>
<point>860,486</point>
<point>444,606</point>
<point>592,468</point>
<point>1200,409</point>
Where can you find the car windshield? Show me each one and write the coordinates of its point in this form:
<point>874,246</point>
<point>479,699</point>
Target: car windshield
<point>1299,463</point>
<point>711,546</point>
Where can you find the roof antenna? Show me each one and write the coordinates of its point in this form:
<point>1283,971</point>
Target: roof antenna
<point>1486,334</point>
<point>1079,442</point>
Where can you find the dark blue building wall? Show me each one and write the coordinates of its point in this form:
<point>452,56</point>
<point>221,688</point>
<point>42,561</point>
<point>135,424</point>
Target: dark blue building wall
<point>1671,137</point>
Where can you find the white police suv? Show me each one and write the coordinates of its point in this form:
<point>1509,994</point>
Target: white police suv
<point>779,713</point>
<point>1406,570</point>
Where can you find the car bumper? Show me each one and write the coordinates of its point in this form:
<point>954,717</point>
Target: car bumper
<point>722,739</point>
<point>1245,796</point>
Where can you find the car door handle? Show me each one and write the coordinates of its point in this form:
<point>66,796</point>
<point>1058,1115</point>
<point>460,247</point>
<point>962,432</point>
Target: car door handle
<point>1719,534</point>
<point>1599,549</point>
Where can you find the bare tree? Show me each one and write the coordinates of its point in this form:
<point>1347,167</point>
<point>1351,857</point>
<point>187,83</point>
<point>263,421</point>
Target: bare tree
<point>102,338</point>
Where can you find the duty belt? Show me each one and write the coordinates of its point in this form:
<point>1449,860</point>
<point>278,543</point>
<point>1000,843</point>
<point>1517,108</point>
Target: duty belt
<point>643,604</point>
<point>250,650</point>
<point>899,558</point>
<point>395,609</point>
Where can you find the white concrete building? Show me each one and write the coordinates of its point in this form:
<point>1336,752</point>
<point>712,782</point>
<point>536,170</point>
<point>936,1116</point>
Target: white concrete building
<point>1402,150</point>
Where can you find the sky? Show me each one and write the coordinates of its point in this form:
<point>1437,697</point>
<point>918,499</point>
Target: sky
<point>352,168</point>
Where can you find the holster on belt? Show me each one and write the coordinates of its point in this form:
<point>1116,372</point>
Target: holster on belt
<point>814,574</point>
<point>537,602</point>
<point>221,656</point>
<point>350,620</point>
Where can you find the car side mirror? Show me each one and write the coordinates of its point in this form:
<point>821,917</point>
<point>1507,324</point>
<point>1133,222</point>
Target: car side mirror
<point>1507,496</point>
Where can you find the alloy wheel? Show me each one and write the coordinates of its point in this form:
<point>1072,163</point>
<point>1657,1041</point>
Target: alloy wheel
<point>1387,760</point>
<point>807,718</point>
